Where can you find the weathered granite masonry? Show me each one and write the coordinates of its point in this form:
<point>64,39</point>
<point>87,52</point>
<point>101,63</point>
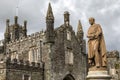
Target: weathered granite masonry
<point>114,64</point>
<point>53,54</point>
<point>16,70</point>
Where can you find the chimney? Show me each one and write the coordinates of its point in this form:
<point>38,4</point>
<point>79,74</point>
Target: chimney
<point>66,18</point>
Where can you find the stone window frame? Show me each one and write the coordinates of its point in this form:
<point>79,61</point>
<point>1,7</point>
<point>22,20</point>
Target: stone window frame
<point>14,55</point>
<point>31,54</point>
<point>69,36</point>
<point>69,54</point>
<point>34,56</point>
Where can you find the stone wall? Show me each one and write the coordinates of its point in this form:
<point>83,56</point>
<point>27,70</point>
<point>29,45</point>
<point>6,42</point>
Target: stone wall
<point>63,46</point>
<point>114,64</point>
<point>19,75</point>
<point>17,70</point>
<point>24,47</point>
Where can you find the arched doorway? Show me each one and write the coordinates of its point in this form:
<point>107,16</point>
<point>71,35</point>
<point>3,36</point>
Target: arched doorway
<point>69,77</point>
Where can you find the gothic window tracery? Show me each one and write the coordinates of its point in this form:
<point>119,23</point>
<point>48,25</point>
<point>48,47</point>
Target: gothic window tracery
<point>34,55</point>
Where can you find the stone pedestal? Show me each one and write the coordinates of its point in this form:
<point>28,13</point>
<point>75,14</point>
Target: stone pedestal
<point>98,75</point>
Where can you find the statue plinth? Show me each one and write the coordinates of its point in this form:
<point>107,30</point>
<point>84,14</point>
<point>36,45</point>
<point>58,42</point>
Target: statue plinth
<point>98,75</point>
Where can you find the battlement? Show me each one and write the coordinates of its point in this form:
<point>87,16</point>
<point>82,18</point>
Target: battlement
<point>21,65</point>
<point>36,35</point>
<point>113,54</point>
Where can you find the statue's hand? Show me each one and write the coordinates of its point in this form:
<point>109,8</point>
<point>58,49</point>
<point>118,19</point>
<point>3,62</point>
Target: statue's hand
<point>91,36</point>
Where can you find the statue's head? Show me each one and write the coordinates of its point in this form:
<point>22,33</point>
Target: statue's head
<point>91,20</point>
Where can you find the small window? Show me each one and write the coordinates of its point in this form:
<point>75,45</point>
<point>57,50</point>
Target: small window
<point>11,35</point>
<point>69,57</point>
<point>26,77</point>
<point>68,35</point>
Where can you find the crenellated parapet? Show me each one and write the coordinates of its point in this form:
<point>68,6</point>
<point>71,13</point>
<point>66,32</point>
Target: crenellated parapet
<point>15,31</point>
<point>21,65</point>
<point>113,54</point>
<point>35,36</point>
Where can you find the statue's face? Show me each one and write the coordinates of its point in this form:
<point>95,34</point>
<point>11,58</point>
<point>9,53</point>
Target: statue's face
<point>91,21</point>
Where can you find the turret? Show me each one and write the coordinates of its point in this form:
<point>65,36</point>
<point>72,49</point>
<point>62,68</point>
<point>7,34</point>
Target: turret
<point>80,33</point>
<point>16,28</point>
<point>16,19</point>
<point>49,25</point>
<point>7,32</point>
<point>25,28</point>
<point>66,18</point>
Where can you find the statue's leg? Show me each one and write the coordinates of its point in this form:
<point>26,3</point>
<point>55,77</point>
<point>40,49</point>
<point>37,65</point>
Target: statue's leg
<point>97,55</point>
<point>90,53</point>
<point>104,61</point>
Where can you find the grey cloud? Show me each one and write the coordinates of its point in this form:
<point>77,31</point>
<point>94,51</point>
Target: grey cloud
<point>109,20</point>
<point>106,13</point>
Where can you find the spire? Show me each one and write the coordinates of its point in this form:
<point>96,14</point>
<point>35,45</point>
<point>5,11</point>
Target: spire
<point>49,13</point>
<point>80,32</point>
<point>49,25</point>
<point>7,32</point>
<point>25,24</point>
<point>25,28</point>
<point>79,29</point>
<point>16,19</point>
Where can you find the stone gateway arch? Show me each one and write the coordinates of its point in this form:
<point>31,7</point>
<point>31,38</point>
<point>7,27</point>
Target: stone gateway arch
<point>69,77</point>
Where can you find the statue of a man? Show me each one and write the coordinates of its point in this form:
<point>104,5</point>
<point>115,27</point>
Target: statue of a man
<point>96,45</point>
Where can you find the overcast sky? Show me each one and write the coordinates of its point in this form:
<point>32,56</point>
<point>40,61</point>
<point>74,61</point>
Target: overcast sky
<point>106,13</point>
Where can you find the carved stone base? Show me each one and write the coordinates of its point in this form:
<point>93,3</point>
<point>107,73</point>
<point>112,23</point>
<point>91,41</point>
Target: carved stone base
<point>94,68</point>
<point>98,75</point>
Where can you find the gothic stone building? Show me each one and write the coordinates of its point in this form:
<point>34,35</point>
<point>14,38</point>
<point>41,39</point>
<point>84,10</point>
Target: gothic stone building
<point>53,54</point>
<point>114,64</point>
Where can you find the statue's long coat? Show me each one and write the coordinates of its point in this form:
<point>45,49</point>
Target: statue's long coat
<point>97,38</point>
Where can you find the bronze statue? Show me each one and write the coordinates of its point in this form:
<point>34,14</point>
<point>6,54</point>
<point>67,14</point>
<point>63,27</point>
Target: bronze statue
<point>96,45</point>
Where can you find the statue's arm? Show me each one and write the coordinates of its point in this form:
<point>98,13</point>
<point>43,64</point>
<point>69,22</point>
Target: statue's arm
<point>90,36</point>
<point>98,32</point>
